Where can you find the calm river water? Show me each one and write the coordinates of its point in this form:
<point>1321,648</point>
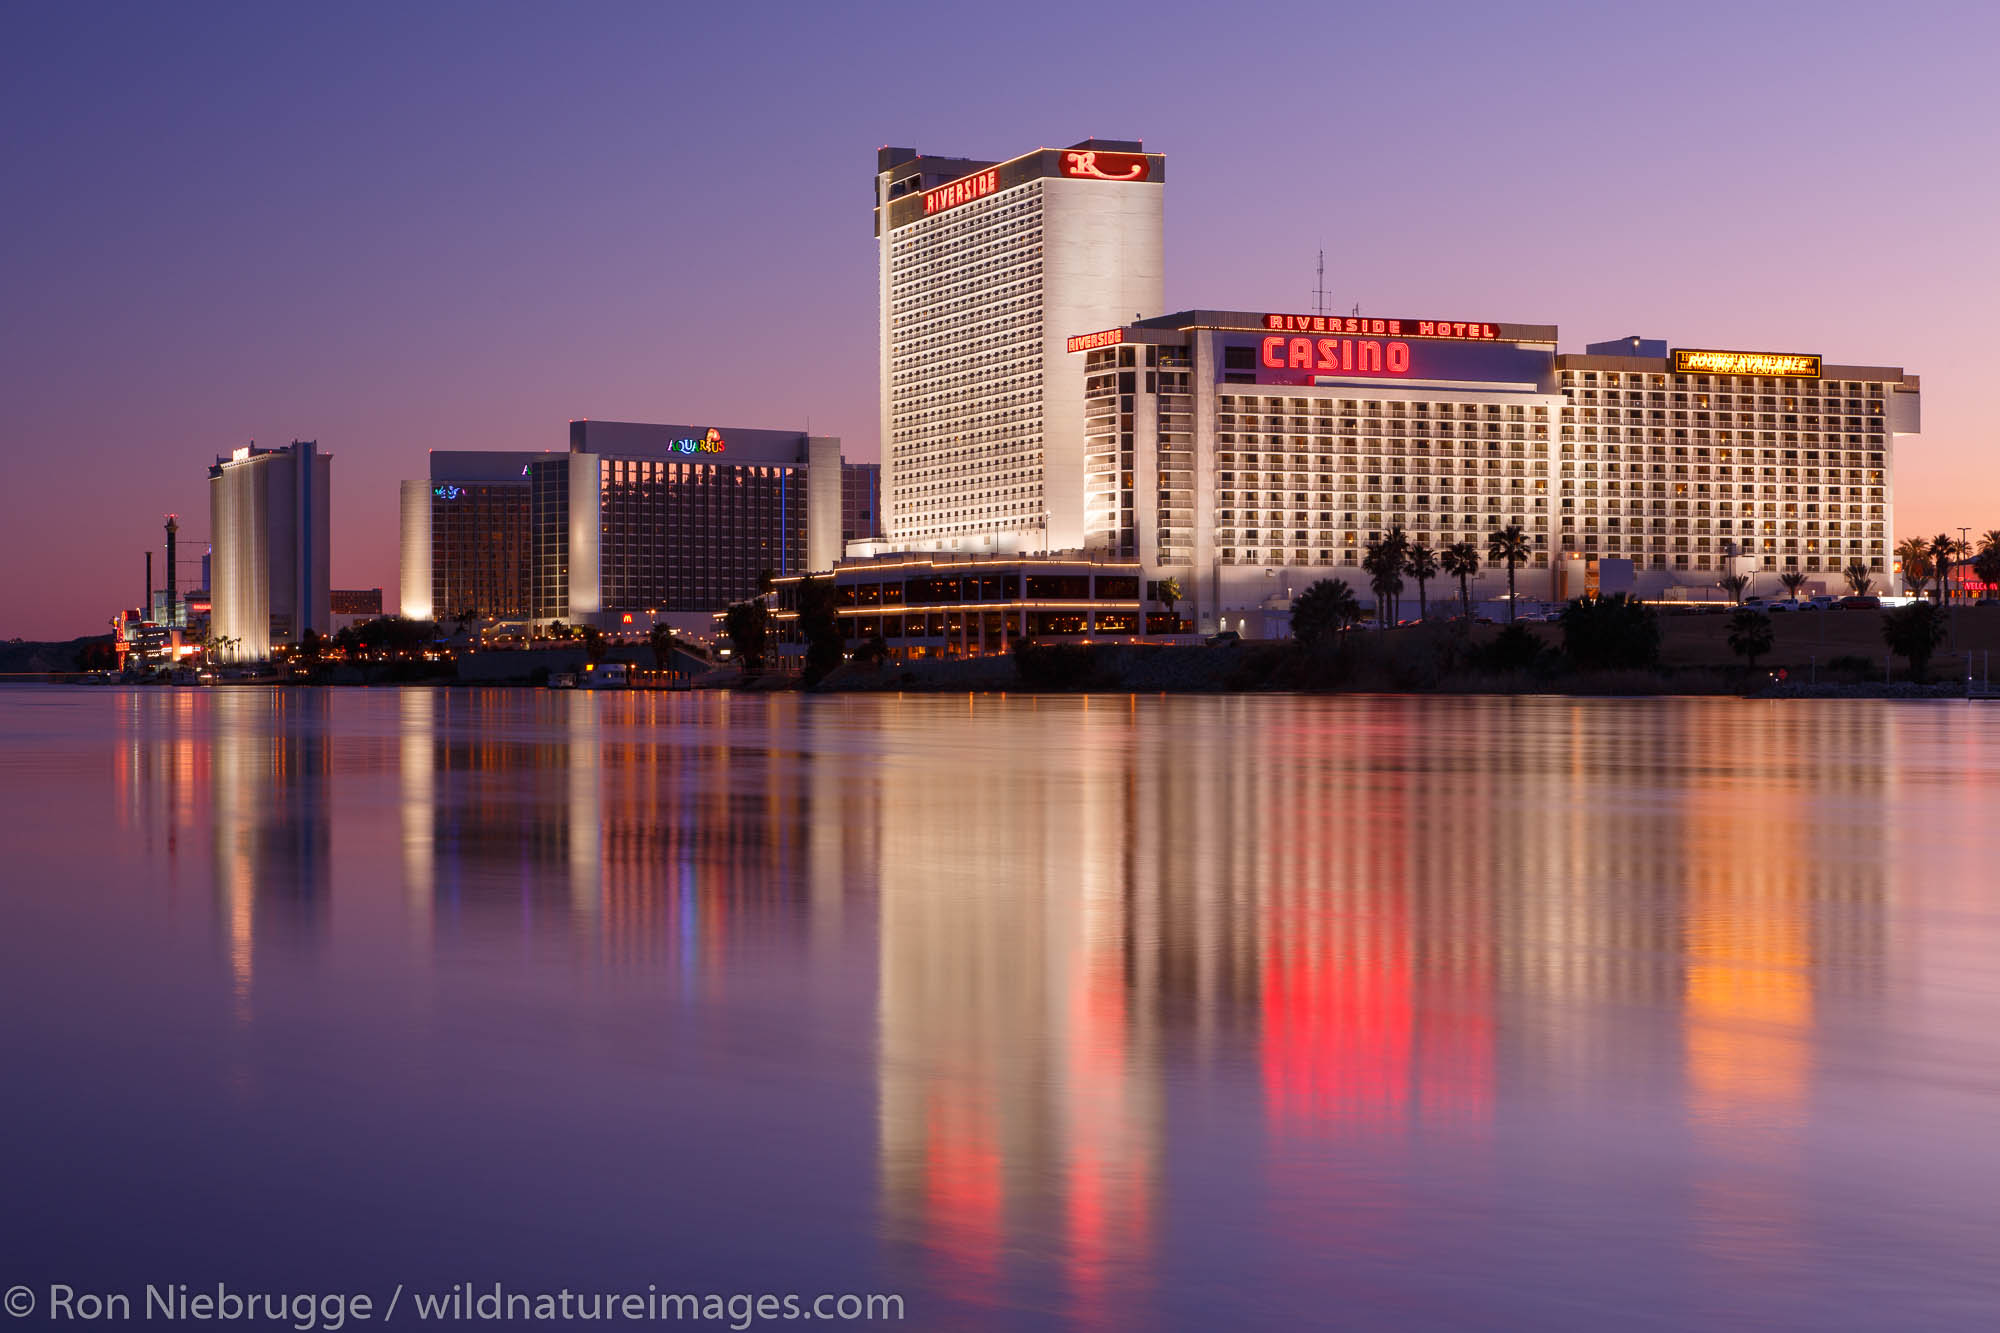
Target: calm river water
<point>1100,1012</point>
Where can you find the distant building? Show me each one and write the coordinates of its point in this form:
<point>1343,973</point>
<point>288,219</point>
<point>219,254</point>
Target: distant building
<point>465,536</point>
<point>641,521</point>
<point>957,605</point>
<point>268,526</point>
<point>860,501</point>
<point>352,606</point>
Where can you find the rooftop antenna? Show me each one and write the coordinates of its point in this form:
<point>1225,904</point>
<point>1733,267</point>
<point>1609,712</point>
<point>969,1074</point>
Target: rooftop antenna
<point>1319,285</point>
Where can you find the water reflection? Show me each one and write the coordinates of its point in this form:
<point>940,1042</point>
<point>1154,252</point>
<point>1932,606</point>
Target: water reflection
<point>1167,1000</point>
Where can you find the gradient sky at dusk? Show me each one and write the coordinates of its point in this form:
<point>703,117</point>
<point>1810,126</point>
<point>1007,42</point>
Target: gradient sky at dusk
<point>401,228</point>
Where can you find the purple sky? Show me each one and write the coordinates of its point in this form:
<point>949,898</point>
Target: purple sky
<point>428,226</point>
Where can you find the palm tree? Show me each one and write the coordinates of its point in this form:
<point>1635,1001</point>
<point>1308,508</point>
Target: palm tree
<point>1461,561</point>
<point>1511,545</point>
<point>1989,540</point>
<point>1170,597</point>
<point>1387,581</point>
<point>1734,584</point>
<point>1421,564</point>
<point>1914,632</point>
<point>1859,580</point>
<point>1945,551</point>
<point>1793,580</point>
<point>1750,635</point>
<point>1915,555</point>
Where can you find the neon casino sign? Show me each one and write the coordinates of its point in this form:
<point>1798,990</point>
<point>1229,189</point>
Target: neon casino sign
<point>1100,166</point>
<point>448,492</point>
<point>711,443</point>
<point>1336,356</point>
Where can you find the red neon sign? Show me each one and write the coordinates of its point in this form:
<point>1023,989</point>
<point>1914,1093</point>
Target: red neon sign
<point>1388,328</point>
<point>1336,356</point>
<point>962,191</point>
<point>1083,342</point>
<point>1097,166</point>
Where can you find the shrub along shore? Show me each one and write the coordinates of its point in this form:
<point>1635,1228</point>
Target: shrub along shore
<point>1607,647</point>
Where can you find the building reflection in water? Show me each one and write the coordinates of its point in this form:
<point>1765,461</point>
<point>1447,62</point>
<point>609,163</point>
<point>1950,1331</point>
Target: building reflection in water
<point>1097,928</point>
<point>1363,897</point>
<point>642,831</point>
<point>1780,905</point>
<point>1020,1093</point>
<point>272,823</point>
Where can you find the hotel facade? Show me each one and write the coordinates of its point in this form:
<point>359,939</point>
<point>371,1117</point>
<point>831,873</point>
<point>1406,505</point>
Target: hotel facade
<point>638,519</point>
<point>1249,454</point>
<point>1695,462</point>
<point>270,548</point>
<point>466,536</point>
<point>985,269</point>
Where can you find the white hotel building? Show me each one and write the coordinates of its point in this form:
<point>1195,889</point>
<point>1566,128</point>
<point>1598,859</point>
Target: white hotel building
<point>986,269</point>
<point>1249,454</point>
<point>269,559</point>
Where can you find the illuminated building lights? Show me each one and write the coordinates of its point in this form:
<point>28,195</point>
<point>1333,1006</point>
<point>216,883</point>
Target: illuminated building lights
<point>1103,166</point>
<point>1391,328</point>
<point>976,186</point>
<point>1084,342</point>
<point>1775,365</point>
<point>711,443</point>
<point>1336,356</point>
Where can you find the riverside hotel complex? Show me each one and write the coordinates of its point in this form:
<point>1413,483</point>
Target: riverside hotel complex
<point>1031,404</point>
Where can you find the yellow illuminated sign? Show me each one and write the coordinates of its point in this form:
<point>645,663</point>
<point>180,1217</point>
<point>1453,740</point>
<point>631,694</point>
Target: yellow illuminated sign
<point>1777,365</point>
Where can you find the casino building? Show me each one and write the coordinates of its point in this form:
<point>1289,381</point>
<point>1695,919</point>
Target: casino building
<point>641,520</point>
<point>1249,454</point>
<point>465,530</point>
<point>985,269</point>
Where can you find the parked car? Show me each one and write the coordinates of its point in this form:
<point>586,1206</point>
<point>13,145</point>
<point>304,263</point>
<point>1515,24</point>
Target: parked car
<point>1860,604</point>
<point>1227,636</point>
<point>1773,608</point>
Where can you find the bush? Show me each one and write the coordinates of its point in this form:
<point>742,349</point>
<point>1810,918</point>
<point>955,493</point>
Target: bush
<point>1615,633</point>
<point>1514,648</point>
<point>1054,666</point>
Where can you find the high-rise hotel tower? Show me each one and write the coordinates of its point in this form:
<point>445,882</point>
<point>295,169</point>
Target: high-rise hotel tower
<point>986,270</point>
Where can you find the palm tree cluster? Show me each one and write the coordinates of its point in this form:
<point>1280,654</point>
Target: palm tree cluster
<point>1394,556</point>
<point>1383,562</point>
<point>1930,561</point>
